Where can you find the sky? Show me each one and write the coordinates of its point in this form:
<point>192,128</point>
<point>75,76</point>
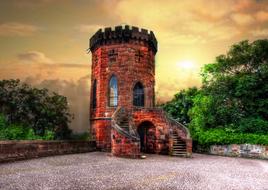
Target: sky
<point>44,42</point>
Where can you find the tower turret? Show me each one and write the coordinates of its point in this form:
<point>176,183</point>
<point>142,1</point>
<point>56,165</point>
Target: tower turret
<point>122,74</point>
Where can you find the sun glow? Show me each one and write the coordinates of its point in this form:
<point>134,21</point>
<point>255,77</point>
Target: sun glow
<point>186,64</point>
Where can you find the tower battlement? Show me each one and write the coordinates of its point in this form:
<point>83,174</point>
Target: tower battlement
<point>121,34</point>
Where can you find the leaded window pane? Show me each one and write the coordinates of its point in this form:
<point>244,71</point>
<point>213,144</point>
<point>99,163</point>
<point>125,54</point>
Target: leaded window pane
<point>113,92</point>
<point>138,95</point>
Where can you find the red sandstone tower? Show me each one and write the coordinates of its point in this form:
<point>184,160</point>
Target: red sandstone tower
<point>122,114</point>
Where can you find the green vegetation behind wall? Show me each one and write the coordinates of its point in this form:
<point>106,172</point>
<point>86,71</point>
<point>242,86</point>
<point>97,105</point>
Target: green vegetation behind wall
<point>31,113</point>
<point>232,104</point>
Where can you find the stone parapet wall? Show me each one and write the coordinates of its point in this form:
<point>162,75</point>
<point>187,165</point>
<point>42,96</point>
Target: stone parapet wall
<point>19,150</point>
<point>240,150</point>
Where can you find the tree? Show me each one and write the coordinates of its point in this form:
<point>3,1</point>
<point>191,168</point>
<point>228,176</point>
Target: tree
<point>35,108</point>
<point>237,86</point>
<point>232,104</point>
<point>179,106</point>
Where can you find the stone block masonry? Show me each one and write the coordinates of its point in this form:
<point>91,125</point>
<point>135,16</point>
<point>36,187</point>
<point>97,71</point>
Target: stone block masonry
<point>129,55</point>
<point>19,150</point>
<point>240,150</point>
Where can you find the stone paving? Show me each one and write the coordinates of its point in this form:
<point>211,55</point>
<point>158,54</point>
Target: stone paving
<point>98,170</point>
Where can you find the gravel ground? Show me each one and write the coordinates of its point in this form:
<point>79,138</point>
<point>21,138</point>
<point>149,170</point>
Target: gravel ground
<point>98,170</point>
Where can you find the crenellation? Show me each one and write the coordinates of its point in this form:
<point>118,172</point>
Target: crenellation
<point>120,34</point>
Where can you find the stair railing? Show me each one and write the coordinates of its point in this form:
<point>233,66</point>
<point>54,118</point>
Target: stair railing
<point>132,134</point>
<point>174,122</point>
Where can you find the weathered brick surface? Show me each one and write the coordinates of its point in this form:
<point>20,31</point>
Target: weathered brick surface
<point>101,130</point>
<point>18,150</point>
<point>123,146</point>
<point>129,70</point>
<point>160,129</point>
<point>133,61</point>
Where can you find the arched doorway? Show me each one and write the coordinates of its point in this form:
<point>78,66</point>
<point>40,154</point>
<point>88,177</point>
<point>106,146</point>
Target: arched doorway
<point>146,131</point>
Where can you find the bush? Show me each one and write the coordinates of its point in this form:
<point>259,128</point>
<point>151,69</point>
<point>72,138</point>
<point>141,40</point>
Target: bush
<point>221,137</point>
<point>38,109</point>
<point>20,132</point>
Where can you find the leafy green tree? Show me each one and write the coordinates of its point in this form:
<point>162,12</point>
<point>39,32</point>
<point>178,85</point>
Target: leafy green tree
<point>238,83</point>
<point>36,108</point>
<point>233,103</point>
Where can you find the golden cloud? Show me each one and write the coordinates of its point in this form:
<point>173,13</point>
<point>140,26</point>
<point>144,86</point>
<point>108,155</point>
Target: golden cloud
<point>263,33</point>
<point>242,19</point>
<point>262,16</point>
<point>34,57</point>
<point>17,29</point>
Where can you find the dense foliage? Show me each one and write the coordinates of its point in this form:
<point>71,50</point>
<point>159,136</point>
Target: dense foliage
<point>20,132</point>
<point>33,111</point>
<point>232,104</point>
<point>179,106</point>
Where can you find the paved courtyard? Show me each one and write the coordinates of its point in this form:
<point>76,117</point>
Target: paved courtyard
<point>98,170</point>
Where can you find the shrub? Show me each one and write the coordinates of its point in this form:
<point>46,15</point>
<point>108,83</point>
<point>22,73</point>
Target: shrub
<point>38,109</point>
<point>220,137</point>
<point>20,132</point>
<point>253,125</point>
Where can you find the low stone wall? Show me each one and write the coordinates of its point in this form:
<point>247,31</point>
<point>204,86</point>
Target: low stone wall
<point>240,150</point>
<point>18,150</point>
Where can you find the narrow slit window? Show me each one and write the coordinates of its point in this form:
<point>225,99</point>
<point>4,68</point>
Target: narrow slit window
<point>112,55</point>
<point>94,95</point>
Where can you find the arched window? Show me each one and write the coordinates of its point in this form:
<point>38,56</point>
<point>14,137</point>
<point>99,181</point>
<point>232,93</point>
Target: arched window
<point>94,95</point>
<point>138,95</point>
<point>113,92</point>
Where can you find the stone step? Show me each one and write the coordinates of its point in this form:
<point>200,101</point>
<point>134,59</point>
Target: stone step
<point>179,146</point>
<point>179,150</point>
<point>179,155</point>
<point>177,140</point>
<point>180,143</point>
<point>125,123</point>
<point>124,127</point>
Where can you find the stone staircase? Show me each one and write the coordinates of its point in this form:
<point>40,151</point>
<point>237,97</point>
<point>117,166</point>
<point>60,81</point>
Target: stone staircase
<point>123,122</point>
<point>179,146</point>
<point>125,140</point>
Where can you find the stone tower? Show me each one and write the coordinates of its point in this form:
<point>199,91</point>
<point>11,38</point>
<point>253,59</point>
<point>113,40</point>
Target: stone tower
<point>123,77</point>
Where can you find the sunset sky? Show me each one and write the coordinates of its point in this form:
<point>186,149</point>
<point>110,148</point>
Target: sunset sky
<point>44,42</point>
